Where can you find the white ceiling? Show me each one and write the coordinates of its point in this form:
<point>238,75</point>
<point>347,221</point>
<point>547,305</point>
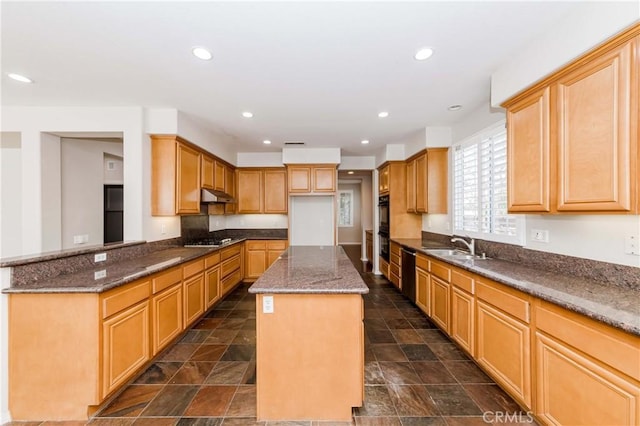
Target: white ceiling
<point>317,72</point>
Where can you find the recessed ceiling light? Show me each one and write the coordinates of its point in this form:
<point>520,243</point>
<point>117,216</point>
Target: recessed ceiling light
<point>364,142</point>
<point>455,108</point>
<point>350,172</point>
<point>266,142</point>
<point>247,114</point>
<point>20,78</point>
<point>383,114</point>
<point>201,53</point>
<point>424,53</point>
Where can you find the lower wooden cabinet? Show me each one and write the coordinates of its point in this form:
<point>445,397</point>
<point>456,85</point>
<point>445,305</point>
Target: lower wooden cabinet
<point>439,303</point>
<point>211,286</point>
<point>193,289</point>
<point>260,254</point>
<point>166,317</point>
<point>503,346</point>
<point>463,319</point>
<point>422,290</point>
<point>125,346</point>
<point>369,247</point>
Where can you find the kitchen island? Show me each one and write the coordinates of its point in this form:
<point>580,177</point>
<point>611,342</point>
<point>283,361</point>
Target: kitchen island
<point>310,336</point>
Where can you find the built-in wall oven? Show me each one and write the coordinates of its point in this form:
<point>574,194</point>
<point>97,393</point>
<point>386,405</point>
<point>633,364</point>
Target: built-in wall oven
<point>383,226</point>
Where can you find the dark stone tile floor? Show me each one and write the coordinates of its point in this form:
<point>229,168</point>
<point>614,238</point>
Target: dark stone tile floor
<point>414,374</point>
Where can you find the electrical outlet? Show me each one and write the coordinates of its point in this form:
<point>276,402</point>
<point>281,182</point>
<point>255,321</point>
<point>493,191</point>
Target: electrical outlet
<point>267,304</point>
<point>540,235</point>
<point>99,274</point>
<point>631,245</point>
<point>100,257</point>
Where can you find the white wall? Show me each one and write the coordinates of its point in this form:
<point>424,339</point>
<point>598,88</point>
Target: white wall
<point>82,188</point>
<point>249,221</point>
<point>312,220</point>
<point>5,276</point>
<point>114,176</point>
<point>10,195</point>
<point>259,159</point>
<point>561,43</point>
<point>357,163</point>
<point>311,155</point>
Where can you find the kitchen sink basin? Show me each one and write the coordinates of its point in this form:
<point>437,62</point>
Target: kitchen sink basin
<point>453,253</point>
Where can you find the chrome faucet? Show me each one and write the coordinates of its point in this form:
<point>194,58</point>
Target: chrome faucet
<point>470,245</point>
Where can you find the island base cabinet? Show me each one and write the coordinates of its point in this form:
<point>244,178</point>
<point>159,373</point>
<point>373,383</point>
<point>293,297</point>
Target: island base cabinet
<point>53,348</point>
<point>310,357</point>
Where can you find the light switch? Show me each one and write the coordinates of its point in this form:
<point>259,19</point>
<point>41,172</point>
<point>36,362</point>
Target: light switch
<point>267,304</point>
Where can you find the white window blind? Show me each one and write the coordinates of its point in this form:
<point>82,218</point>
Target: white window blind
<point>480,187</point>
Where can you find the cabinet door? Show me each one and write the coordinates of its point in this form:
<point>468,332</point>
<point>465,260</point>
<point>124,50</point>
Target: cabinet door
<point>528,154</point>
<point>462,318</point>
<point>411,186</point>
<point>188,180</point>
<point>230,188</point>
<point>274,250</point>
<point>383,180</point>
<point>256,258</point>
<point>299,179</point>
<point>572,389</point>
<point>275,191</point>
<point>436,182</point>
<point>440,302</point>
<point>211,286</point>
<point>125,345</point>
<point>249,191</point>
<point>166,317</point>
<point>193,298</point>
<point>422,290</point>
<point>219,178</point>
<point>595,121</point>
<point>420,171</point>
<point>324,179</point>
<point>206,169</point>
<point>503,350</point>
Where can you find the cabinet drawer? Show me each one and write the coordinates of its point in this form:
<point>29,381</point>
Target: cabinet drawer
<point>504,299</point>
<point>423,263</point>
<point>395,279</point>
<point>395,259</point>
<point>462,280</point>
<point>229,265</point>
<point>394,270</point>
<point>395,249</point>
<point>277,245</point>
<point>116,300</point>
<point>166,279</point>
<point>440,270</point>
<point>230,251</point>
<point>384,267</point>
<point>256,245</point>
<point>192,268</point>
<point>613,347</point>
<point>212,260</point>
<point>229,281</point>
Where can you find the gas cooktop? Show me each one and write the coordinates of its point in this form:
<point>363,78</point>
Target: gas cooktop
<point>209,242</point>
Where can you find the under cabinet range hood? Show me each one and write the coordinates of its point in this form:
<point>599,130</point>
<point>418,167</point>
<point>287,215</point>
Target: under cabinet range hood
<point>213,196</point>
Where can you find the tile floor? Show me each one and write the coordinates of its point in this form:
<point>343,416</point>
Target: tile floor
<point>414,375</point>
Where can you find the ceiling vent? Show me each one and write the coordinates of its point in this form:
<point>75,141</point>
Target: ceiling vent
<point>293,143</point>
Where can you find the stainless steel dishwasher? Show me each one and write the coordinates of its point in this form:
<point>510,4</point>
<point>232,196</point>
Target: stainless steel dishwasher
<point>409,273</point>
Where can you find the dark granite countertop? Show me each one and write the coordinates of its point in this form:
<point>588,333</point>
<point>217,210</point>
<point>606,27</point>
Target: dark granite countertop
<point>311,270</point>
<point>613,305</point>
<point>61,254</point>
<point>117,274</point>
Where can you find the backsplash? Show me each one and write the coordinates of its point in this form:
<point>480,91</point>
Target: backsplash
<point>197,227</point>
<point>604,272</point>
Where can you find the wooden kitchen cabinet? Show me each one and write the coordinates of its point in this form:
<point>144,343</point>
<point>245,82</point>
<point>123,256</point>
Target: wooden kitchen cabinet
<point>262,191</point>
<point>193,291</point>
<point>439,303</point>
<point>383,180</point>
<point>125,333</point>
<point>529,154</point>
<point>572,139</point>
<point>260,254</point>
<point>311,179</point>
<point>427,181</point>
<point>369,246</point>
<point>211,280</point>
<point>401,223</point>
<point>423,283</point>
<point>463,310</point>
<point>207,171</point>
<point>503,337</point>
<point>230,188</point>
<point>231,271</point>
<point>395,264</point>
<point>219,172</point>
<point>166,308</point>
<point>587,372</point>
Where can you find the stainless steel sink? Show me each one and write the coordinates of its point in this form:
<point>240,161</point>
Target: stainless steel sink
<point>453,253</point>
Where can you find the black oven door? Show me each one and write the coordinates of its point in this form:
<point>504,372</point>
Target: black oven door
<point>383,214</point>
<point>384,245</point>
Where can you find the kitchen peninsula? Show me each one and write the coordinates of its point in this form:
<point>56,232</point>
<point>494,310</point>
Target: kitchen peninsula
<point>310,336</point>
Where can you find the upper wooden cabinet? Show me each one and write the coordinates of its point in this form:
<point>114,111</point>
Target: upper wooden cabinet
<point>230,188</point>
<point>309,179</point>
<point>262,191</point>
<point>383,180</point>
<point>220,170</point>
<point>427,181</point>
<point>207,171</point>
<point>573,138</point>
<point>528,154</point>
<point>401,223</point>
